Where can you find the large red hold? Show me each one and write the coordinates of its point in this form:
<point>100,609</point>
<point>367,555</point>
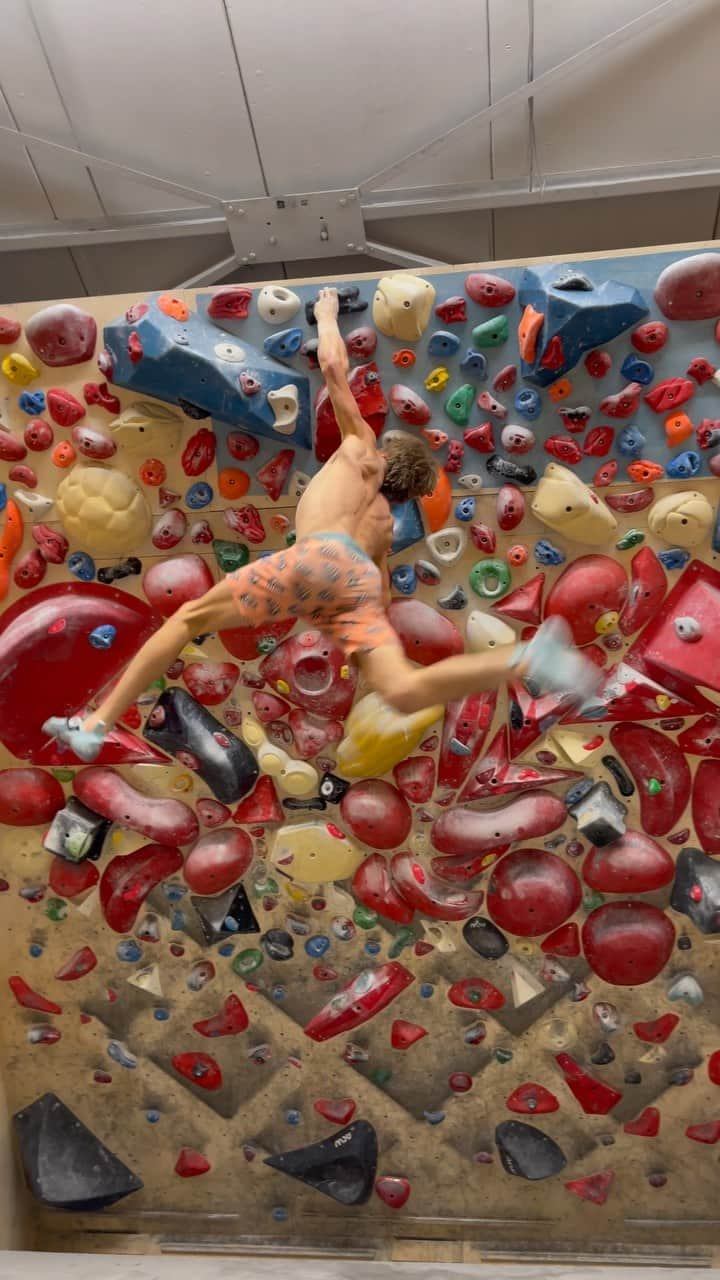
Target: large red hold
<point>466,832</point>
<point>404,1034</point>
<point>689,289</point>
<point>595,1187</point>
<point>633,864</point>
<point>489,290</point>
<point>171,583</point>
<point>62,334</point>
<point>372,885</point>
<point>666,396</point>
<point>199,452</point>
<point>246,643</point>
<point>646,1125</point>
<point>359,1001</point>
<point>210,682</point>
<point>128,879</point>
<point>702,738</point>
<point>231,1020</point>
<point>70,879</point>
<point>648,585</point>
<point>426,893</point>
<point>415,778</point>
<point>166,821</point>
<point>627,943</point>
<point>220,858</point>
<point>706,805</point>
<point>532,1099</point>
<point>475,993</point>
<point>495,775</point>
<point>465,729</point>
<point>532,891</point>
<point>377,814</point>
<point>664,649</point>
<point>336,1110</point>
<point>595,1097</point>
<point>231,303</point>
<point>311,670</point>
<point>366,387</point>
<point>79,964</point>
<point>30,999</point>
<point>651,755</point>
<point>408,406</point>
<point>273,474</point>
<point>64,408</point>
<point>589,595</point>
<point>524,604</point>
<point>425,635</point>
<point>191,1163</point>
<point>657,1031</point>
<point>261,805</point>
<point>29,797</point>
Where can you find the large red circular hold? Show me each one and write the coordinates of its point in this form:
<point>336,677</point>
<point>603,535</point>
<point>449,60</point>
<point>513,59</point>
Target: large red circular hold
<point>29,797</point>
<point>633,864</point>
<point>532,891</point>
<point>627,943</point>
<point>218,860</point>
<point>170,583</point>
<point>377,814</point>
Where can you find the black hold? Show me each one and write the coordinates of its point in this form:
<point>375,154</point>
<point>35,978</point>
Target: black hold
<point>178,723</point>
<point>578,791</point>
<point>225,915</point>
<point>624,782</point>
<point>507,470</point>
<point>527,1152</point>
<point>348,298</point>
<point>515,716</point>
<point>76,832</point>
<point>192,410</point>
<point>309,350</point>
<point>278,944</point>
<point>297,803</point>
<point>342,1167</point>
<point>485,938</point>
<point>632,1077</point>
<point>603,1055</point>
<point>696,889</point>
<point>599,815</point>
<point>125,569</point>
<point>573,280</point>
<point>684,943</point>
<point>333,788</point>
<point>681,1076</point>
<point>65,1165</point>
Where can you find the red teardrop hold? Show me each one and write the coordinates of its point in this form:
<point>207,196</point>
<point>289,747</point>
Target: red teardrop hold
<point>415,778</point>
<point>475,993</point>
<point>68,879</point>
<point>394,1192</point>
<point>714,1067</point>
<point>191,1164</point>
<point>30,999</point>
<point>633,864</point>
<point>336,1110</point>
<point>403,1034</point>
<point>82,962</point>
<point>627,943</point>
<point>199,1069</point>
<point>595,1188</point>
<point>595,1097</point>
<point>651,754</point>
<point>656,1032</point>
<point>524,603</point>
<point>709,1133</point>
<point>564,941</point>
<point>372,886</point>
<point>261,806</point>
<point>647,1124</point>
<point>231,1019</point>
<point>532,1099</point>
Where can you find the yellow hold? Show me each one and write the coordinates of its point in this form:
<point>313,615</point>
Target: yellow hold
<point>377,737</point>
<point>19,369</point>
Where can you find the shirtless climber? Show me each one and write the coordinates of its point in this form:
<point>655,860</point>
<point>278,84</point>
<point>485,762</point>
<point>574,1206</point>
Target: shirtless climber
<point>335,578</point>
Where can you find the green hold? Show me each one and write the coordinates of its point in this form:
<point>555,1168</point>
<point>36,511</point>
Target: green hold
<point>654,786</point>
<point>56,909</point>
<point>77,842</point>
<point>404,937</point>
<point>492,333</point>
<point>63,775</point>
<point>230,555</point>
<point>503,1055</point>
<point>592,900</point>
<point>160,684</point>
<point>266,644</point>
<point>381,1075</point>
<point>632,538</point>
<point>290,538</point>
<point>490,579</point>
<point>247,961</point>
<point>266,888</point>
<point>458,405</point>
<point>365,918</point>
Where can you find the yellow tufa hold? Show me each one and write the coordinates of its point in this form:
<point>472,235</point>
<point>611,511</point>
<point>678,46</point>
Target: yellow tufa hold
<point>19,369</point>
<point>295,777</point>
<point>681,519</point>
<point>567,505</point>
<point>315,852</point>
<point>377,737</point>
<point>402,306</point>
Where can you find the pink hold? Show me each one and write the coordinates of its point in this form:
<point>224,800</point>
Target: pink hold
<point>30,570</point>
<point>267,706</point>
<point>425,635</point>
<point>312,734</point>
<point>490,405</point>
<point>10,331</point>
<point>166,821</point>
<point>62,335</point>
<point>377,814</point>
<point>247,522</point>
<point>210,683</point>
<point>172,583</point>
<point>218,860</point>
<point>408,406</point>
<point>472,831</point>
<point>211,812</point>
<point>22,474</point>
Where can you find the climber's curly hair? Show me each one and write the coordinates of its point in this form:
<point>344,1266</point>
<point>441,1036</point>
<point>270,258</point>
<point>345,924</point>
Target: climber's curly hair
<point>409,471</point>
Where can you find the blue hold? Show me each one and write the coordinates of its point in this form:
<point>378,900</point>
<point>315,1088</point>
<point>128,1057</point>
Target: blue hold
<point>684,465</point>
<point>637,370</point>
<point>630,442</point>
<point>443,343</point>
<point>465,509</point>
<point>32,402</point>
<point>283,345</point>
<point>404,579</point>
<point>455,599</point>
<point>103,636</point>
<point>581,318</point>
<point>3,497</point>
<point>716,531</point>
<point>528,403</point>
<point>675,558</point>
<point>317,946</point>
<point>407,526</point>
<point>128,951</point>
<point>474,365</point>
<point>546,553</point>
<point>82,566</point>
<point>193,373</point>
<point>198,495</point>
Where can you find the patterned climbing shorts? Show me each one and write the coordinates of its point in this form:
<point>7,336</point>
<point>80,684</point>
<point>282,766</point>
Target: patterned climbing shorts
<point>327,580</point>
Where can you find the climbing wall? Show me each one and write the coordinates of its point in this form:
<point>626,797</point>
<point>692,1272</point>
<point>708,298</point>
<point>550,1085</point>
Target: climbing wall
<point>282,955</point>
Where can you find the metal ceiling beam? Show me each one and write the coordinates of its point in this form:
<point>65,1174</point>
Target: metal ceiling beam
<point>212,274</point>
<point>590,55</point>
<point>401,257</point>
<point>67,234</point>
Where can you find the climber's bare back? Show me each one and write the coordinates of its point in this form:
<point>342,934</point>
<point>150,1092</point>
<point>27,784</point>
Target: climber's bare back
<point>343,498</point>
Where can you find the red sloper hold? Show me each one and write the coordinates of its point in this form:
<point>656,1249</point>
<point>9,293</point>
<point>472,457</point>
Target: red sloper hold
<point>465,726</point>
<point>30,999</point>
<point>169,822</point>
<point>199,452</point>
<point>366,387</point>
<point>415,778</point>
<point>702,738</point>
<point>598,442</point>
<point>377,814</point>
<point>709,1132</point>
<point>230,1021</point>
<point>524,603</point>
<point>191,1163</point>
<point>475,993</point>
<point>64,408</point>
<point>462,869</point>
<point>665,654</point>
<point>311,734</point>
<point>274,473</point>
<point>220,858</point>
<point>670,393</point>
<point>426,893</point>
<point>627,943</point>
<point>128,879</point>
<point>29,797</point>
<point>82,962</point>
<point>359,1001</point>
<point>509,507</point>
<point>211,813</point>
<point>312,672</point>
<point>564,448</point>
<point>531,717</point>
<point>646,1125</point>
<point>245,642</point>
<point>210,682</point>
<point>69,879</point>
<point>595,1187</point>
<point>336,1110</point>
<point>658,1031</point>
<point>648,585</point>
<point>480,438</point>
<point>587,591</point>
<point>268,707</point>
<point>624,403</point>
<point>630,695</point>
<point>489,290</point>
<point>170,583</point>
<point>468,832</point>
<point>372,886</point>
<point>564,941</point>
<point>714,1067</point>
<point>261,806</point>
<point>633,864</point>
<point>394,1192</point>
<point>231,303</point>
<point>452,310</point>
<point>199,1069</point>
<point>495,776</point>
<point>651,754</point>
<point>426,636</point>
<point>706,805</point>
<point>532,1099</point>
<point>408,406</point>
<point>650,337</point>
<point>532,891</point>
<point>595,1097</point>
<point>404,1034</point>
<point>10,331</point>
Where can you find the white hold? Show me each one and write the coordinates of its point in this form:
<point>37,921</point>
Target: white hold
<point>447,545</point>
<point>471,481</point>
<point>230,351</point>
<point>295,777</point>
<point>516,439</point>
<point>299,482</point>
<point>285,405</point>
<point>147,979</point>
<point>36,503</point>
<point>276,304</point>
<point>686,988</point>
<point>439,936</point>
<point>485,632</point>
<point>688,629</point>
<point>525,986</point>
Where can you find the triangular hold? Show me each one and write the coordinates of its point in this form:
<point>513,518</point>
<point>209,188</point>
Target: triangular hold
<point>342,1167</point>
<point>578,747</point>
<point>227,914</point>
<point>646,1125</point>
<point>628,694</point>
<point>525,986</point>
<point>261,806</point>
<point>565,941</point>
<point>147,979</point>
<point>495,776</point>
<point>524,603</point>
<point>66,1166</point>
<point>403,1034</point>
<point>595,1188</point>
<point>530,717</point>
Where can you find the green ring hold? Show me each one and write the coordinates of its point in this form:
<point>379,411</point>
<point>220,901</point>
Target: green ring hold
<point>486,573</point>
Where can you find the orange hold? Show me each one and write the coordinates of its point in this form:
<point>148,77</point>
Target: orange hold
<point>517,555</point>
<point>63,455</point>
<point>435,438</point>
<point>153,472</point>
<point>678,426</point>
<point>436,506</point>
<point>404,357</point>
<point>529,331</point>
<point>560,390</point>
<point>10,543</point>
<point>233,482</point>
<point>645,472</point>
<point>173,307</point>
